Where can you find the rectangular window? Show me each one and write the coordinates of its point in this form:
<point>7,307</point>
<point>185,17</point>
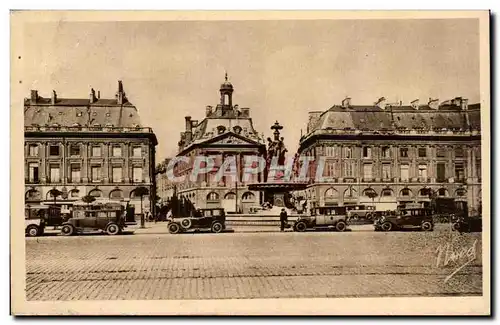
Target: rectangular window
<point>54,174</point>
<point>459,172</point>
<point>33,173</point>
<point>441,172</point>
<point>349,169</point>
<point>54,150</point>
<point>33,150</point>
<point>386,171</point>
<point>117,174</point>
<point>367,152</point>
<point>330,169</point>
<point>403,152</point>
<point>422,172</point>
<point>137,152</point>
<point>405,172</point>
<point>96,151</point>
<point>117,151</point>
<point>347,153</point>
<point>386,152</point>
<point>137,174</point>
<point>96,173</point>
<point>422,152</point>
<point>367,171</point>
<point>75,173</point>
<point>74,150</point>
<point>440,152</point>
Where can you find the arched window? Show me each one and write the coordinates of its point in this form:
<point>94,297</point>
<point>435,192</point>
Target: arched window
<point>442,192</point>
<point>95,193</point>
<point>248,196</point>
<point>405,192</point>
<point>74,193</point>
<point>212,196</point>
<point>387,192</point>
<point>33,195</point>
<point>230,196</point>
<point>461,192</point>
<point>116,194</point>
<point>369,192</point>
<point>331,193</point>
<point>350,193</point>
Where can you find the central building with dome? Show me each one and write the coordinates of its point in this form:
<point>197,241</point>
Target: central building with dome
<point>225,132</point>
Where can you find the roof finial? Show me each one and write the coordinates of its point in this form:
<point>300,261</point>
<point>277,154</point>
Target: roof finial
<point>226,76</point>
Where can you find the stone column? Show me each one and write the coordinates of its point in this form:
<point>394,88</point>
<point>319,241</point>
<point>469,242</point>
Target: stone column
<point>145,167</point>
<point>450,168</point>
<point>64,167</point>
<point>85,162</point>
<point>126,167</point>
<point>43,158</point>
<point>105,164</point>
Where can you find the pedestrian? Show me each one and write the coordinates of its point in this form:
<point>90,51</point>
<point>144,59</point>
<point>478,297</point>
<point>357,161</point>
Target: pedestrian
<point>283,219</point>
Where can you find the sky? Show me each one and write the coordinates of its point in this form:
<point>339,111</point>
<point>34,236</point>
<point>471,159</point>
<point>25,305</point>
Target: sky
<point>281,70</point>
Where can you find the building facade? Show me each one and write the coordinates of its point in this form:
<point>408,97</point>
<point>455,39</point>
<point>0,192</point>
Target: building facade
<point>226,132</point>
<point>88,146</point>
<point>399,151</point>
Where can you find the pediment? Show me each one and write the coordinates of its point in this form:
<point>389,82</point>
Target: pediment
<point>231,139</point>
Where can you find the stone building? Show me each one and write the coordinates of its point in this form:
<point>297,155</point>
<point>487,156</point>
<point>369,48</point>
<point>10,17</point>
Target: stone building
<point>86,146</point>
<point>399,151</point>
<point>226,132</point>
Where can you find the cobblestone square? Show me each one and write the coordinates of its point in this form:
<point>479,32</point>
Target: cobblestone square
<point>152,264</point>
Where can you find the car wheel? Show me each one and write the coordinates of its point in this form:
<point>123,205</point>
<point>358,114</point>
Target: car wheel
<point>32,231</point>
<point>387,226</point>
<point>217,227</point>
<point>456,226</point>
<point>174,228</point>
<point>426,226</point>
<point>340,226</point>
<point>300,226</point>
<point>112,229</point>
<point>354,217</point>
<point>369,217</point>
<point>186,223</point>
<point>67,230</point>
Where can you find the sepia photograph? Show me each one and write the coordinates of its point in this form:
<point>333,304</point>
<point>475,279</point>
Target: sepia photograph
<point>250,163</point>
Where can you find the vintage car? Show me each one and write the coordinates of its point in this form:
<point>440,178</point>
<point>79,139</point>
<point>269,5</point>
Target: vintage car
<point>419,218</point>
<point>468,224</point>
<point>110,219</point>
<point>361,212</point>
<point>213,219</point>
<point>34,220</point>
<point>332,218</point>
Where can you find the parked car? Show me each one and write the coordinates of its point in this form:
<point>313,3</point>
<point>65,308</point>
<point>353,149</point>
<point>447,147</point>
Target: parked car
<point>111,220</point>
<point>213,219</point>
<point>34,220</point>
<point>468,224</point>
<point>333,218</point>
<point>406,218</point>
<point>361,212</point>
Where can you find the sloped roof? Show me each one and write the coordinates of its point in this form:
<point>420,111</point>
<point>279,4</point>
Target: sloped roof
<point>71,111</point>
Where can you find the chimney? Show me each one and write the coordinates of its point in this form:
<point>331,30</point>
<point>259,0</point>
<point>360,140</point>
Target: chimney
<point>120,95</point>
<point>415,104</point>
<point>433,103</point>
<point>208,111</point>
<point>53,100</point>
<point>346,102</point>
<point>34,96</point>
<point>98,94</point>
<point>245,112</point>
<point>92,96</point>
<point>189,129</point>
<point>381,103</point>
<point>464,104</point>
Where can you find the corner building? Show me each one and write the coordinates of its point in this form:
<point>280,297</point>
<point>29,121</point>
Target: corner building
<point>399,151</point>
<point>90,146</point>
<point>226,132</point>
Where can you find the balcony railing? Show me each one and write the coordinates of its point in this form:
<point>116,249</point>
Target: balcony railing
<point>90,129</point>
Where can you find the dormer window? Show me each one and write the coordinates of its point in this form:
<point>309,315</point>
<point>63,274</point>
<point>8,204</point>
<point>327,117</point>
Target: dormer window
<point>237,129</point>
<point>221,129</point>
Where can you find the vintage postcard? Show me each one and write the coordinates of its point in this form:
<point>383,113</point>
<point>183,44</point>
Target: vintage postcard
<point>250,163</point>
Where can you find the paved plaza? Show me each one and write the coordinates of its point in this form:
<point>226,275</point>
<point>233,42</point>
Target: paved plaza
<point>249,263</point>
